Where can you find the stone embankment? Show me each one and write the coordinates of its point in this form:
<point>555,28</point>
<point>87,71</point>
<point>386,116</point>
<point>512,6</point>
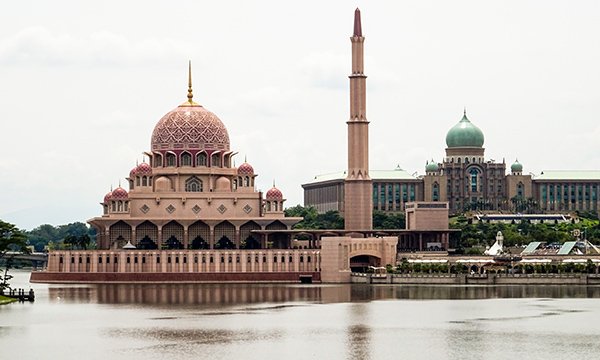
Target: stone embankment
<point>477,279</point>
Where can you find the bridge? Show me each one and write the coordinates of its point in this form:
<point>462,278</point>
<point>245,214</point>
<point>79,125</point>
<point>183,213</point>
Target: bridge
<point>38,259</point>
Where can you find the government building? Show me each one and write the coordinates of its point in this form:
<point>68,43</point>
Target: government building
<point>467,181</point>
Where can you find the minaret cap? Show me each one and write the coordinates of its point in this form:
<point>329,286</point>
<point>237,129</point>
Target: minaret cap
<point>357,25</point>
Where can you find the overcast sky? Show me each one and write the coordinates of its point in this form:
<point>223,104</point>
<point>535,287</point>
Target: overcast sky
<point>82,85</point>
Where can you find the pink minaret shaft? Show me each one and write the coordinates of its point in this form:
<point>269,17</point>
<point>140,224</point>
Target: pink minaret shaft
<point>358,198</point>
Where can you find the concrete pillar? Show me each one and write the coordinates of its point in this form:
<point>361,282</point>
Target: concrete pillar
<point>186,238</point>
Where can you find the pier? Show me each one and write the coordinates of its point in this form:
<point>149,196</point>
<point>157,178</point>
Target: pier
<point>19,294</point>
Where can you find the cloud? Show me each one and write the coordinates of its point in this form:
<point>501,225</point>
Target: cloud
<point>41,47</point>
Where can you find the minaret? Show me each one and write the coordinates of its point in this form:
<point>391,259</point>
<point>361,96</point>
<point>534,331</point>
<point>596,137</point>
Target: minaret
<point>358,187</point>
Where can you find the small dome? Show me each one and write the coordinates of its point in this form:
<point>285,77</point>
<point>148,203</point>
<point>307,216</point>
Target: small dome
<point>107,197</point>
<point>143,169</point>
<point>274,194</point>
<point>464,134</point>
<point>516,167</point>
<point>132,172</point>
<point>245,169</point>
<point>432,166</point>
<point>119,194</point>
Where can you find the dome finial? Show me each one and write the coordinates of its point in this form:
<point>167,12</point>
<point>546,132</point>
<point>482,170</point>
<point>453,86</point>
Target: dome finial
<point>190,94</point>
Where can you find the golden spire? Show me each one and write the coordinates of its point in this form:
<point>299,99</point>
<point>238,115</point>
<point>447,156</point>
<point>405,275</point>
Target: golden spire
<point>190,94</point>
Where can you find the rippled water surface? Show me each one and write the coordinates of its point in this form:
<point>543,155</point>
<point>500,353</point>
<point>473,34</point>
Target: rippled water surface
<point>239,321</point>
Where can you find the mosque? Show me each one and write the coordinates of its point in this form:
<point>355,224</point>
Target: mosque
<point>189,195</point>
<point>190,215</point>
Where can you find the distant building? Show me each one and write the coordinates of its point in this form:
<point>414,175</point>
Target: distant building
<point>391,190</point>
<point>467,181</point>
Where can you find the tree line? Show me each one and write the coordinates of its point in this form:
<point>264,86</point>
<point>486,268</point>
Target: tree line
<point>333,220</point>
<point>75,235</point>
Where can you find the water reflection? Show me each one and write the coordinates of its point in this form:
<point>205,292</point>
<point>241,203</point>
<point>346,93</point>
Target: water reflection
<point>358,334</point>
<point>233,294</point>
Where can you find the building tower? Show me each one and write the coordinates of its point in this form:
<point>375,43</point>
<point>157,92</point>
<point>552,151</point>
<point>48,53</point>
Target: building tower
<point>358,198</point>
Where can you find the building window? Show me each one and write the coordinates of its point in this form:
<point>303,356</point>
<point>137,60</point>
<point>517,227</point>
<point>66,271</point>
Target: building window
<point>158,160</point>
<point>201,159</point>
<point>435,192</point>
<point>215,160</point>
<point>474,174</point>
<point>193,184</point>
<point>186,159</point>
<point>520,190</point>
<point>171,159</point>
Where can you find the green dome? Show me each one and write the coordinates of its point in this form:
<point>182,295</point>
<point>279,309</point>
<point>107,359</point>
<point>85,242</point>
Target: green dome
<point>464,134</point>
<point>431,166</point>
<point>516,167</point>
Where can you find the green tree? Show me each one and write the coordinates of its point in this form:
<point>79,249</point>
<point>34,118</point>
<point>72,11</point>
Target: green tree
<point>11,240</point>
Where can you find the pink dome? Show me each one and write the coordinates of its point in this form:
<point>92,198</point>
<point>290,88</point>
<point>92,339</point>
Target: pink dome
<point>107,197</point>
<point>190,127</point>
<point>132,172</point>
<point>274,194</point>
<point>143,169</point>
<point>119,194</point>
<point>245,169</point>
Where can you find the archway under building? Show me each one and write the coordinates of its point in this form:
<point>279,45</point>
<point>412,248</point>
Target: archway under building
<point>361,263</point>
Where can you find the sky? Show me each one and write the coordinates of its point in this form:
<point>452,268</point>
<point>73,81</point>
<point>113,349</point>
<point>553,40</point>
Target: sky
<point>82,85</point>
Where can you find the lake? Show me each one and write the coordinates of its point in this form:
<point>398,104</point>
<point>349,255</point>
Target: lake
<point>253,321</point>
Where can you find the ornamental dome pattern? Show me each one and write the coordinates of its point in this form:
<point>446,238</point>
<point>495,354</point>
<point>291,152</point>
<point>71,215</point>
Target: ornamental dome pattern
<point>107,197</point>
<point>143,169</point>
<point>245,169</point>
<point>119,194</point>
<point>132,172</point>
<point>190,128</point>
<point>274,194</point>
<point>464,134</point>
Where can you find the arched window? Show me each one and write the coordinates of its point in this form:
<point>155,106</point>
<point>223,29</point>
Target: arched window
<point>186,159</point>
<point>137,180</point>
<point>215,160</point>
<point>193,184</point>
<point>247,181</point>
<point>171,159</point>
<point>144,181</point>
<point>520,189</point>
<point>268,206</point>
<point>235,184</point>
<point>474,173</point>
<point>158,160</point>
<point>201,159</point>
<point>227,161</point>
<point>435,191</point>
